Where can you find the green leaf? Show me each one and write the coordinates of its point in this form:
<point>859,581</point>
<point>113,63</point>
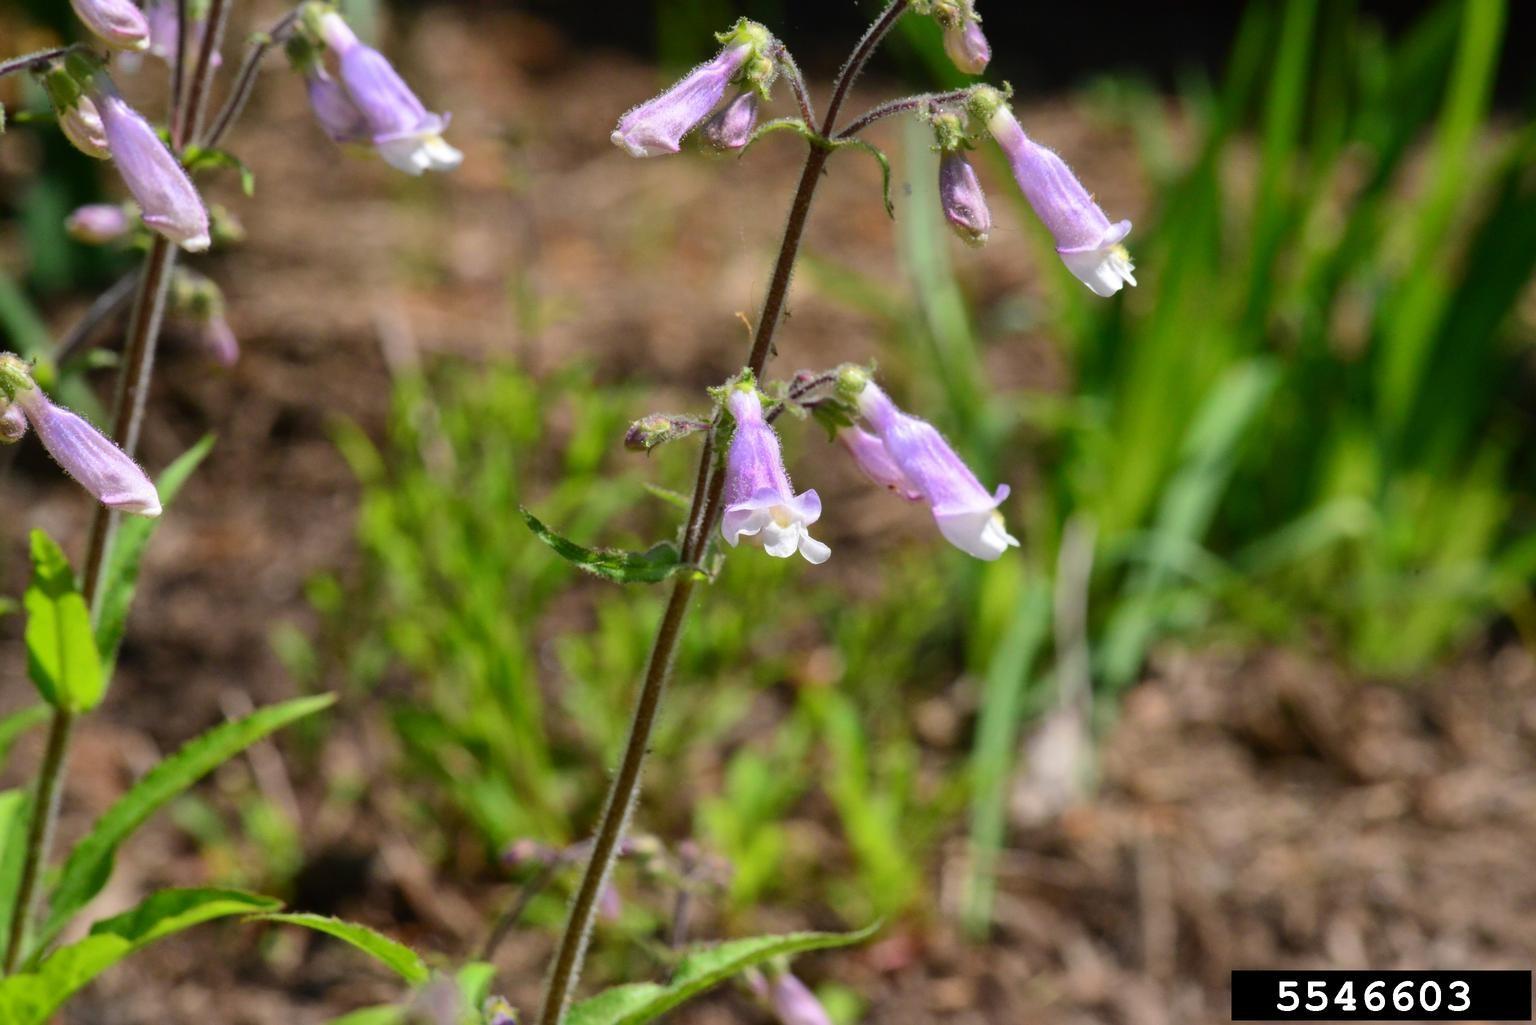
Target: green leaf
<point>90,863</point>
<point>651,566</point>
<point>700,970</point>
<point>61,650</point>
<point>14,820</point>
<point>197,158</point>
<point>17,723</point>
<point>122,569</point>
<point>32,998</point>
<point>394,955</point>
<point>474,982</point>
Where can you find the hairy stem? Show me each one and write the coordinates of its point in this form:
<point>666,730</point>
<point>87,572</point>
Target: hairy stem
<point>45,815</point>
<point>703,513</point>
<point>27,62</point>
<point>195,110</point>
<point>901,106</point>
<point>245,79</point>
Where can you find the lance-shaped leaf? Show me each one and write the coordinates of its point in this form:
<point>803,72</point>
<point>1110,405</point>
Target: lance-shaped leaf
<point>700,970</point>
<point>651,566</point>
<point>61,649</point>
<point>90,863</point>
<point>31,998</point>
<point>397,957</point>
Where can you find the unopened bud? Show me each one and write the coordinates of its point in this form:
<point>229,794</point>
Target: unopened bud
<point>89,456</point>
<point>967,46</point>
<point>98,224</point>
<point>964,204</point>
<point>731,127</point>
<point>648,432</point>
<point>118,23</point>
<point>13,425</point>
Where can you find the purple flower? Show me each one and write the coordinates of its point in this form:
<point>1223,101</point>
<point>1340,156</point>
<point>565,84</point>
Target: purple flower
<point>13,425</point>
<point>760,505</point>
<point>967,46</point>
<point>402,130</point>
<point>89,456</point>
<point>218,340</point>
<point>1088,244</point>
<point>790,1000</point>
<point>118,23</point>
<point>168,201</point>
<point>658,125</point>
<point>730,128</point>
<point>338,116</point>
<point>966,514</point>
<point>98,224</point>
<point>965,205</point>
<point>872,458</point>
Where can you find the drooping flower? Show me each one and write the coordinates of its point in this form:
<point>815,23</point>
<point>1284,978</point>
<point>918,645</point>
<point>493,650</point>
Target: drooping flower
<point>86,454</point>
<point>406,135</point>
<point>657,126</point>
<point>730,128</point>
<point>98,224</point>
<point>963,202</point>
<point>790,1000</point>
<point>967,45</point>
<point>760,504</point>
<point>118,23</point>
<point>871,457</point>
<point>1085,239</point>
<point>966,514</point>
<point>168,201</point>
<point>337,115</point>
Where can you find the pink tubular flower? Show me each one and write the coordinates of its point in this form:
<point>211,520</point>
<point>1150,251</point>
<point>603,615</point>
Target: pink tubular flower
<point>967,46</point>
<point>406,135</point>
<point>118,23</point>
<point>870,455</point>
<point>89,456</point>
<point>168,200</point>
<point>98,224</point>
<point>731,127</point>
<point>964,204</point>
<point>760,504</point>
<point>1088,243</point>
<point>657,126</point>
<point>966,514</point>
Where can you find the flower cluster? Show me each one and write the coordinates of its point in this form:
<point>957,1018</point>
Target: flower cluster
<point>85,453</point>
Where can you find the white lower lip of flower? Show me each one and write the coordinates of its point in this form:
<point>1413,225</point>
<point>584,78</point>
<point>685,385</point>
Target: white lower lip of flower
<point>415,154</point>
<point>1104,270</point>
<point>194,239</point>
<point>778,529</point>
<point>978,532</point>
<point>636,146</point>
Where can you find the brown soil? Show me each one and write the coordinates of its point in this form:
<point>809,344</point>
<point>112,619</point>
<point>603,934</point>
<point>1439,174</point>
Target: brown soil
<point>1254,811</point>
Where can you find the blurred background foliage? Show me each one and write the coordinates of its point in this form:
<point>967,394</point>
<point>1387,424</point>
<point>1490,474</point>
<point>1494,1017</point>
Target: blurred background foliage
<point>1309,425</point>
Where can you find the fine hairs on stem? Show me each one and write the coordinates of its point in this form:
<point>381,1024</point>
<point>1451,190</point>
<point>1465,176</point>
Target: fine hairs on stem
<point>704,512</point>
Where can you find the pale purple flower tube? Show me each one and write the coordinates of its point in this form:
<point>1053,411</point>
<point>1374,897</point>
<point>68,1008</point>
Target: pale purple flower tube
<point>334,110</point>
<point>406,135</point>
<point>730,128</point>
<point>870,455</point>
<point>760,504</point>
<point>658,125</point>
<point>966,514</point>
<point>98,224</point>
<point>967,46</point>
<point>963,202</point>
<point>118,23</point>
<point>89,456</point>
<point>1085,239</point>
<point>168,201</point>
<point>790,1000</point>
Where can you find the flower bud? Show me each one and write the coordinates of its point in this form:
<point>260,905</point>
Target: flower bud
<point>967,46</point>
<point>98,224</point>
<point>13,424</point>
<point>218,340</point>
<point>89,456</point>
<point>964,204</point>
<point>790,1000</point>
<point>118,23</point>
<point>402,130</point>
<point>731,127</point>
<point>1085,239</point>
<point>78,117</point>
<point>966,514</point>
<point>760,504</point>
<point>657,126</point>
<point>168,201</point>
